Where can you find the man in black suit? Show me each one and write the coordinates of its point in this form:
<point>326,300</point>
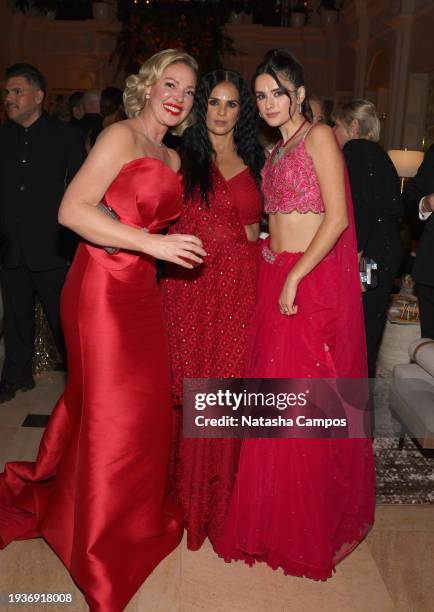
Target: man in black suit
<point>39,156</point>
<point>419,202</point>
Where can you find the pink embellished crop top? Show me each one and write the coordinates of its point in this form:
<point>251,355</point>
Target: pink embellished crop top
<point>290,183</point>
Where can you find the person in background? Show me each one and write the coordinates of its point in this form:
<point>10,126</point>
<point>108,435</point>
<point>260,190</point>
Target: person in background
<point>92,118</point>
<point>208,308</point>
<point>419,205</point>
<point>41,157</point>
<point>317,108</point>
<point>378,208</point>
<point>112,110</point>
<point>75,106</point>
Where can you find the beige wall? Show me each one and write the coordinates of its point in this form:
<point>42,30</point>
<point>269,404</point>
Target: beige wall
<point>72,54</point>
<point>393,45</point>
<point>75,55</point>
<point>371,52</point>
<point>311,45</point>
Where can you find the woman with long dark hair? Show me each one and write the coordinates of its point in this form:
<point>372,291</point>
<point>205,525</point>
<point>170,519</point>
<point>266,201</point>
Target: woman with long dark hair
<point>208,308</point>
<point>302,504</point>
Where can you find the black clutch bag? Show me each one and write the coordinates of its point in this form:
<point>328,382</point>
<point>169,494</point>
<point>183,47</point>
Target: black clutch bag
<point>113,215</point>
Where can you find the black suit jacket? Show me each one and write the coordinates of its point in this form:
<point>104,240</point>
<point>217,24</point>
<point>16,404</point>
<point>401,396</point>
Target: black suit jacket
<point>36,165</point>
<point>421,185</point>
<point>377,201</point>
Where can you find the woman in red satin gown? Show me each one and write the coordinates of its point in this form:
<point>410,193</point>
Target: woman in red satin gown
<point>208,308</point>
<point>97,490</point>
<point>302,504</point>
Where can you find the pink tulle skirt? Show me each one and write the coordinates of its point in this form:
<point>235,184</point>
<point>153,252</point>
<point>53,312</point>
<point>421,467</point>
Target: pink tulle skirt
<point>298,504</point>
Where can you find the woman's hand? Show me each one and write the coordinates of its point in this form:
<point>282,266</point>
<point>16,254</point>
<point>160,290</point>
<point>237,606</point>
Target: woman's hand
<point>181,249</point>
<point>287,297</point>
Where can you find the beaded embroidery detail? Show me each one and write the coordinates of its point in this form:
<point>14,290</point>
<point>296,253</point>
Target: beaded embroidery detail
<point>291,184</point>
<point>268,254</point>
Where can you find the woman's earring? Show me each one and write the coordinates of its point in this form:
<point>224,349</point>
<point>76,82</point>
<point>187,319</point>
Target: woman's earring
<point>259,115</point>
<point>299,107</point>
<point>147,96</point>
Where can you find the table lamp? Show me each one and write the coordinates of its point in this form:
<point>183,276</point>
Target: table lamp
<point>406,163</point>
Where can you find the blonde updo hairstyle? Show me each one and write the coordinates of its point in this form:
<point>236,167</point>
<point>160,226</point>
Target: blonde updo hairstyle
<point>364,112</point>
<point>148,75</point>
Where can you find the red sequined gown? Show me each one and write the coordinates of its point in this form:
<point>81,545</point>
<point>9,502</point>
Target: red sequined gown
<point>97,492</point>
<point>303,504</point>
<point>208,310</point>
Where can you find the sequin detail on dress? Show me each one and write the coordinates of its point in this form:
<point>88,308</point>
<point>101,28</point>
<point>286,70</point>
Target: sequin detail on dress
<point>268,254</point>
<point>290,183</point>
<point>208,309</point>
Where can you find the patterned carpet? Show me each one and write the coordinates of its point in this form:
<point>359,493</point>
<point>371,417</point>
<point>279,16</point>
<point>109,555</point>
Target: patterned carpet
<point>403,476</point>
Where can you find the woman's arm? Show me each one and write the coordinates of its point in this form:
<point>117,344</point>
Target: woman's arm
<point>329,167</point>
<point>113,148</point>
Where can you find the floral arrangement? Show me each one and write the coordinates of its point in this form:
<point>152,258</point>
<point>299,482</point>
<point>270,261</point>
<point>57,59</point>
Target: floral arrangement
<point>192,26</point>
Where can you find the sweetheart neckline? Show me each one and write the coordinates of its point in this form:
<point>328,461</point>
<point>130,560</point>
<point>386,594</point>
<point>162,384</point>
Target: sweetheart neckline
<point>150,158</point>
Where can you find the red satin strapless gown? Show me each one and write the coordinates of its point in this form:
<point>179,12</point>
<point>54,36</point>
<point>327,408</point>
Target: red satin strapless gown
<point>97,490</point>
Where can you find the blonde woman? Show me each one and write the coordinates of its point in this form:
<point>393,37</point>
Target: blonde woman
<point>97,490</point>
<point>377,209</point>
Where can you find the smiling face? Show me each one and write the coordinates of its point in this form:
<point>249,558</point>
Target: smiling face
<point>223,108</point>
<point>276,105</point>
<point>171,97</point>
<point>22,100</point>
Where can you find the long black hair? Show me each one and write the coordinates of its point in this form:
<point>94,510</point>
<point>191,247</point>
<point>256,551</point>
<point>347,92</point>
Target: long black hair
<point>281,61</point>
<point>197,151</point>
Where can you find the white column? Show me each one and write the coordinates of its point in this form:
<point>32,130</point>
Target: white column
<point>402,25</point>
<point>415,111</point>
<point>361,48</point>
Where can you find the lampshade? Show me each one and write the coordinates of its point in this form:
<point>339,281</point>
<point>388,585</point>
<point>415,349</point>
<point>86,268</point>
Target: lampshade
<point>406,162</point>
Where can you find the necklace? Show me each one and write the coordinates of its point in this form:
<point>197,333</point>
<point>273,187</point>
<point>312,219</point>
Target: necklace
<point>280,151</point>
<point>145,133</point>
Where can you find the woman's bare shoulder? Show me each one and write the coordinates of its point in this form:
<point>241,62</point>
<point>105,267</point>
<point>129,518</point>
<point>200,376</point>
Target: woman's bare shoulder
<point>116,142</point>
<point>322,141</point>
<point>320,133</point>
<point>121,130</point>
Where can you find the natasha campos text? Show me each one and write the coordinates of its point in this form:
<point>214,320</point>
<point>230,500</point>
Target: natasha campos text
<point>279,421</point>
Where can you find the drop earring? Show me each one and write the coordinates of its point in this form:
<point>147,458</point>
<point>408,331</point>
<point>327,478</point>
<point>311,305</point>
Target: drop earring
<point>299,107</point>
<point>147,96</point>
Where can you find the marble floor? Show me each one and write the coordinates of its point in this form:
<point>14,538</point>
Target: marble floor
<point>392,570</point>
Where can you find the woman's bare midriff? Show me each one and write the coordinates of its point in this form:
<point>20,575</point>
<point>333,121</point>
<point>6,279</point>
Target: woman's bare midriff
<point>293,232</point>
<point>252,232</point>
